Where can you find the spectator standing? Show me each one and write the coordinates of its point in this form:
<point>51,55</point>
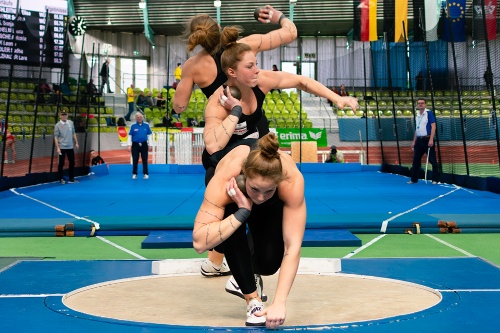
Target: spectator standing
<point>65,140</point>
<point>423,142</point>
<point>105,76</point>
<point>130,101</point>
<point>140,143</point>
<point>10,142</point>
<point>178,72</point>
<point>488,78</point>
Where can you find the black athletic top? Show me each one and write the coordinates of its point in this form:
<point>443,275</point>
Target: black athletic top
<point>245,129</point>
<point>220,79</point>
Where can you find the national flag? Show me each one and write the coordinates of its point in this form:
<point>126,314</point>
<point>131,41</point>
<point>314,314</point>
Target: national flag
<point>395,13</point>
<point>454,21</point>
<point>490,8</point>
<point>365,20</point>
<point>426,18</point>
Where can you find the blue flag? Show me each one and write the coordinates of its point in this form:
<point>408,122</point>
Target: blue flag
<point>454,21</point>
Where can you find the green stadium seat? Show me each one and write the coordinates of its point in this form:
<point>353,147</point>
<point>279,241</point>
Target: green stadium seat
<point>297,106</point>
<point>407,113</point>
<point>280,105</point>
<point>289,105</point>
<point>289,123</point>
<point>271,105</point>
<point>285,114</point>
<point>475,113</point>
<point>280,123</point>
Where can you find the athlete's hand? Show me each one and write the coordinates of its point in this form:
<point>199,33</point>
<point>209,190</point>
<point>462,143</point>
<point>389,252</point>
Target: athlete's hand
<point>352,102</point>
<point>275,315</point>
<point>227,100</point>
<point>237,196</point>
<point>269,15</point>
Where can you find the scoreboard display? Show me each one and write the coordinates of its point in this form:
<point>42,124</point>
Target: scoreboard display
<point>33,32</point>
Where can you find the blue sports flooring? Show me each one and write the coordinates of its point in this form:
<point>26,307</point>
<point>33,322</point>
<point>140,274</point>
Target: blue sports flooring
<point>31,297</point>
<point>352,197</point>
<point>348,196</point>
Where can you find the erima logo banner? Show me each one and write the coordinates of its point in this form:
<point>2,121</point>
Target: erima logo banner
<point>288,135</point>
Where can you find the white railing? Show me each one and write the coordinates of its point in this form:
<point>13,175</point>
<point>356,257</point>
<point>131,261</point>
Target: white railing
<point>187,148</point>
<point>183,148</point>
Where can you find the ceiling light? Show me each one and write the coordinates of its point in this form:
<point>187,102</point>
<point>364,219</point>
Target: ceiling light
<point>109,21</point>
<point>217,3</point>
<point>142,4</point>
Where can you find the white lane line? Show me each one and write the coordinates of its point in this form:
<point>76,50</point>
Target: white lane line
<point>383,227</point>
<point>121,248</point>
<point>450,245</point>
<point>96,224</point>
<point>373,241</point>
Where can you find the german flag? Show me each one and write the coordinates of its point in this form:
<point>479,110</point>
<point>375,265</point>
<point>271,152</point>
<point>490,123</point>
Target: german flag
<point>395,13</point>
<point>365,20</point>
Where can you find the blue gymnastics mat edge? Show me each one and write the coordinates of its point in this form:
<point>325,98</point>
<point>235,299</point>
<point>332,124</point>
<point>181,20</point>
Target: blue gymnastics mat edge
<point>198,168</point>
<point>161,239</point>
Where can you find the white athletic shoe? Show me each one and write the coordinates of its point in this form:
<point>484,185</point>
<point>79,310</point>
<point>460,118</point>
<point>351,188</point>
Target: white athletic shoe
<point>134,176</point>
<point>233,288</point>
<point>146,177</point>
<point>253,307</point>
<point>208,269</point>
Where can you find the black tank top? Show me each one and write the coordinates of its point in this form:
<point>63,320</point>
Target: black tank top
<point>246,128</point>
<point>220,79</point>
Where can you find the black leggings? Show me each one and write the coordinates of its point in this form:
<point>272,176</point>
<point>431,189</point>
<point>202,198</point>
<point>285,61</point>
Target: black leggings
<point>261,250</point>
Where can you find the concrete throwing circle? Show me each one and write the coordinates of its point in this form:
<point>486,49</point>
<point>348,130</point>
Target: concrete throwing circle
<point>193,300</point>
